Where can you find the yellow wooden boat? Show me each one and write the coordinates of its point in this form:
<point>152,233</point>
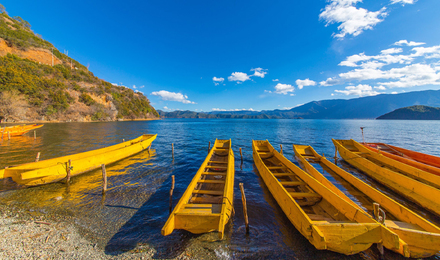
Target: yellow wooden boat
<point>17,130</point>
<point>419,238</point>
<point>325,219</point>
<point>207,203</point>
<point>421,193</point>
<point>53,170</point>
<point>425,162</point>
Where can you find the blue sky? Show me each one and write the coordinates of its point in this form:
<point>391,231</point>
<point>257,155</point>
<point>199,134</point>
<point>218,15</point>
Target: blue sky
<point>260,55</point>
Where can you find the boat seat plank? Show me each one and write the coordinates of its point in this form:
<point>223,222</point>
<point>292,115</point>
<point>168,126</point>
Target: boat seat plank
<point>222,148</point>
<point>204,200</point>
<point>208,192</point>
<point>400,224</point>
<point>216,162</point>
<point>292,183</point>
<point>283,174</point>
<point>211,181</point>
<point>214,173</point>
<point>266,153</point>
<point>304,195</point>
<point>276,167</point>
<point>216,167</point>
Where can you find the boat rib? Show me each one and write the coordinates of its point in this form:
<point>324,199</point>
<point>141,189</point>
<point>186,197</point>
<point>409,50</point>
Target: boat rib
<point>419,238</point>
<point>421,193</point>
<point>53,170</point>
<point>206,205</point>
<point>325,219</point>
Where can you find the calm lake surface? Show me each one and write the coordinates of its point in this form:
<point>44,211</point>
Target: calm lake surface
<point>135,207</point>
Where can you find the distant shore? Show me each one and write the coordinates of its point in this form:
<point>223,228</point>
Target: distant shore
<point>44,122</point>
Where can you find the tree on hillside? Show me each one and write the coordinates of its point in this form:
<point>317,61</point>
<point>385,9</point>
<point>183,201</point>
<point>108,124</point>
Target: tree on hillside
<point>3,9</point>
<point>23,22</point>
<point>12,105</point>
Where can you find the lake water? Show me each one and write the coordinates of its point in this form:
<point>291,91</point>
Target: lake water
<point>135,207</point>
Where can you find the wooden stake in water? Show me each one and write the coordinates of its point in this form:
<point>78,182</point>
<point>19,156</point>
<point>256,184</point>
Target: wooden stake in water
<point>35,134</point>
<point>209,146</point>
<point>9,136</point>
<point>281,149</point>
<point>69,169</point>
<point>172,149</point>
<point>362,129</point>
<point>38,157</point>
<point>243,198</point>
<point>171,193</point>
<point>241,155</point>
<point>104,179</point>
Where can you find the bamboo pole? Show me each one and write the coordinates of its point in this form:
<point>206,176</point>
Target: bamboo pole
<point>172,149</point>
<point>69,168</point>
<point>104,179</point>
<point>35,134</point>
<point>243,198</point>
<point>171,193</point>
<point>38,157</point>
<point>281,149</point>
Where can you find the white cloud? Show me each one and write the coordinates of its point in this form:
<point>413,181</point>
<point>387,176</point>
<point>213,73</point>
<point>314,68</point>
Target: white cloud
<point>259,72</point>
<point>391,51</point>
<point>394,92</point>
<point>352,20</point>
<point>142,86</point>
<point>329,82</point>
<point>275,80</point>
<point>428,52</point>
<point>134,87</point>
<point>165,107</point>
<point>413,75</point>
<point>172,96</point>
<point>403,2</point>
<point>405,42</point>
<point>283,88</point>
<point>218,81</point>
<point>239,76</point>
<point>360,90</point>
<point>304,83</point>
<point>380,87</point>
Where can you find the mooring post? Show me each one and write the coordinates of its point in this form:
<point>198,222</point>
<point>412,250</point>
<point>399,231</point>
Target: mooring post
<point>241,155</point>
<point>171,193</point>
<point>69,168</point>
<point>38,157</point>
<point>209,146</point>
<point>9,136</point>
<point>104,179</point>
<point>281,149</point>
<point>172,149</point>
<point>123,140</point>
<point>362,129</point>
<point>243,198</point>
<point>35,134</point>
<point>149,150</point>
<point>376,213</point>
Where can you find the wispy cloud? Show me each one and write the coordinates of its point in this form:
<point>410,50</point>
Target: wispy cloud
<point>282,89</point>
<point>403,2</point>
<point>217,81</point>
<point>406,43</point>
<point>359,90</point>
<point>275,80</point>
<point>172,96</point>
<point>304,83</point>
<point>233,110</point>
<point>352,20</point>
<point>239,76</point>
<point>259,72</point>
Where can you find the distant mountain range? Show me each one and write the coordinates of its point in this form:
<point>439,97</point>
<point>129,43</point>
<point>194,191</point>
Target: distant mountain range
<point>414,113</point>
<point>356,108</point>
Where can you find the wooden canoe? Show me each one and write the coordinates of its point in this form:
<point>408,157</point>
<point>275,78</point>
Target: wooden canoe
<point>207,203</point>
<point>419,238</point>
<point>402,168</point>
<point>421,193</point>
<point>425,162</point>
<point>325,219</point>
<point>53,170</point>
<point>17,130</point>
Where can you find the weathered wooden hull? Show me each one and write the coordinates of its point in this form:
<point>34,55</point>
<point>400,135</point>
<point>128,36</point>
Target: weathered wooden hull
<point>347,230</point>
<point>418,237</point>
<point>207,203</point>
<point>17,130</point>
<point>53,170</point>
<point>423,194</point>
<point>425,162</point>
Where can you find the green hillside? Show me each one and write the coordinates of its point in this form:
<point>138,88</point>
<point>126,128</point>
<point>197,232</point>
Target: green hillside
<point>414,113</point>
<point>33,91</point>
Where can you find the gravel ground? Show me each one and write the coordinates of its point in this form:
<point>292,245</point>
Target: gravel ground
<point>30,235</point>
